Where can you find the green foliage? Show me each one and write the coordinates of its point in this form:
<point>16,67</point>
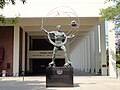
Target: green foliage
<point>108,13</point>
<point>112,1</point>
<point>3,2</point>
<point>112,13</point>
<point>118,65</point>
<point>118,60</point>
<point>3,20</point>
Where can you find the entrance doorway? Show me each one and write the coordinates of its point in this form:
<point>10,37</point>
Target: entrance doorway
<point>38,66</point>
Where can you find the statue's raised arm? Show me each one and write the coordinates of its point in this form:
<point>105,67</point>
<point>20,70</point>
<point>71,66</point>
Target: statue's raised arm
<point>44,30</point>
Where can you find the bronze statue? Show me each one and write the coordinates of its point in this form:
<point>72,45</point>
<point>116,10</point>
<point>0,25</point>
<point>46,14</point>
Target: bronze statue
<point>60,41</point>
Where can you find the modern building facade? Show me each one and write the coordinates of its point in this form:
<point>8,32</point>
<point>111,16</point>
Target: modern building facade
<point>25,48</point>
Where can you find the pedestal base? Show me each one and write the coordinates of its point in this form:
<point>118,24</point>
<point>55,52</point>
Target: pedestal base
<point>59,77</point>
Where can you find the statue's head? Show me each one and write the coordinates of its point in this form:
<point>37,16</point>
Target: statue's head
<point>58,28</point>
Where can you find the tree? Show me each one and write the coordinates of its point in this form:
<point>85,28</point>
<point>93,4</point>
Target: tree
<point>112,13</point>
<point>117,43</point>
<point>3,3</point>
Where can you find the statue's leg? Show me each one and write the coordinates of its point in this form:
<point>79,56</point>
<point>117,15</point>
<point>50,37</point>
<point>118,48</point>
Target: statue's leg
<point>68,63</point>
<point>53,57</point>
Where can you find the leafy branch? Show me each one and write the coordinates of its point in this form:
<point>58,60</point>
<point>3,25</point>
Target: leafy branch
<point>112,13</point>
<point>3,20</point>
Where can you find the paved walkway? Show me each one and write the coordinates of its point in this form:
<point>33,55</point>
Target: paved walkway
<point>80,83</point>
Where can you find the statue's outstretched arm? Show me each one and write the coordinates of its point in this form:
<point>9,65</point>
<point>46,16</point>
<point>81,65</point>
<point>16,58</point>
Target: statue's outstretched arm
<point>44,30</point>
<point>71,36</point>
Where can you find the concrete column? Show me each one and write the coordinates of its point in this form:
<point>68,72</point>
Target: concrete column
<point>82,56</point>
<point>88,48</point>
<point>103,50</point>
<point>79,56</point>
<point>96,50</point>
<point>16,51</point>
<point>85,53</point>
<point>112,50</point>
<point>92,52</point>
<point>23,52</point>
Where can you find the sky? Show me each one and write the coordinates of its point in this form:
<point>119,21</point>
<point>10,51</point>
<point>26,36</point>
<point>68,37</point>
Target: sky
<point>41,8</point>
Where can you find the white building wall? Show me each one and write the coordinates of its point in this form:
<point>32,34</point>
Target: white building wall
<point>112,50</point>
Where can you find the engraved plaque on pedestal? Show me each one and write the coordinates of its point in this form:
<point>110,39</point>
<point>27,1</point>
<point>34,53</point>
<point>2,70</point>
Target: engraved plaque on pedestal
<point>59,77</point>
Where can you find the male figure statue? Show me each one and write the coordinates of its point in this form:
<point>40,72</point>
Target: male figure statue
<point>60,40</point>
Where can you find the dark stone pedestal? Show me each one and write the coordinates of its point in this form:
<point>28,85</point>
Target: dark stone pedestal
<point>59,77</point>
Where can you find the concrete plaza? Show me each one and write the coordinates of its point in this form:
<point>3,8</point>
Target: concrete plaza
<point>80,83</point>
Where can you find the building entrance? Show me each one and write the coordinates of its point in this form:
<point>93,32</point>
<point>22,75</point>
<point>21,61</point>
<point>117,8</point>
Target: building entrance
<point>38,66</point>
<point>40,55</point>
